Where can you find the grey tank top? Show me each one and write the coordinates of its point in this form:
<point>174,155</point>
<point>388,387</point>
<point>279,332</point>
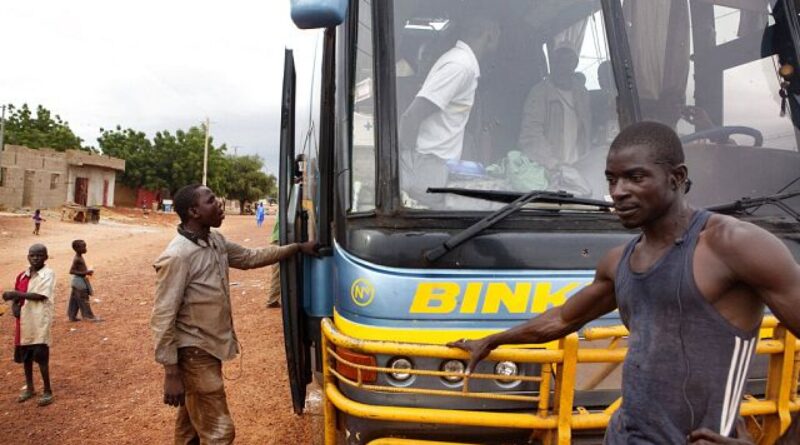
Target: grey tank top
<point>686,364</point>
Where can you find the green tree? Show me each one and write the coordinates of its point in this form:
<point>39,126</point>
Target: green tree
<point>141,159</point>
<point>246,180</point>
<point>169,161</point>
<point>181,159</point>
<point>42,130</point>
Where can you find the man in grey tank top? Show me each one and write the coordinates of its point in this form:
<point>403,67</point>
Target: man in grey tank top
<point>691,289</point>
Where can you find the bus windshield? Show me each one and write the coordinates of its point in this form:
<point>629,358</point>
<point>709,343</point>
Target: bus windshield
<point>520,95</point>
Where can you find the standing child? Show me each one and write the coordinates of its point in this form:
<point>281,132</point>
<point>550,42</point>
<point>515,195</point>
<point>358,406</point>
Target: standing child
<point>81,287</point>
<point>32,302</point>
<point>37,221</point>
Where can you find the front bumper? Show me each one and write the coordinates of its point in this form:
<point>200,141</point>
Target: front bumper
<point>552,417</point>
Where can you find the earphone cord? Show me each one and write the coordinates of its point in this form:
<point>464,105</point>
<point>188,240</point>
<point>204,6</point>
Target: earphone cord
<point>683,344</point>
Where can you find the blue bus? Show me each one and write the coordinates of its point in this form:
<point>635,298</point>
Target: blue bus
<point>493,205</point>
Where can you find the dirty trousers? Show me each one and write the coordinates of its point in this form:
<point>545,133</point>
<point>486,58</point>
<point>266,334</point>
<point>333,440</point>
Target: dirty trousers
<point>274,289</point>
<point>79,300</point>
<point>205,418</point>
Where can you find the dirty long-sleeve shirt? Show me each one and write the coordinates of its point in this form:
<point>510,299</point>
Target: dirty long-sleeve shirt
<point>192,305</point>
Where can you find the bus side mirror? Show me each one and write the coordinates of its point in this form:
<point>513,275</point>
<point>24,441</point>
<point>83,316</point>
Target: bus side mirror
<point>310,14</point>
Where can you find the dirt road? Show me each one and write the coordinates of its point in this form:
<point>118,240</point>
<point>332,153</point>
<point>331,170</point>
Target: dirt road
<point>106,384</point>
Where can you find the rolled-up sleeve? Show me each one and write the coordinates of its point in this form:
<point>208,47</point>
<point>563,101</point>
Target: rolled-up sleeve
<point>172,277</point>
<point>240,257</point>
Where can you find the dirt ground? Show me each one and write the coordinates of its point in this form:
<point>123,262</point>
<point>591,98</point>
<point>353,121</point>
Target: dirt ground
<point>107,386</point>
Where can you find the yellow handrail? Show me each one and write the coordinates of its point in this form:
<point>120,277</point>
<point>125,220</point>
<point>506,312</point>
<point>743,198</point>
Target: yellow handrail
<point>398,441</point>
<point>554,423</point>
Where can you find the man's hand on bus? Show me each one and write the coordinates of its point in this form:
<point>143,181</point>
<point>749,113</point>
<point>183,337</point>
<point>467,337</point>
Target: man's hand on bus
<point>478,350</point>
<point>310,247</point>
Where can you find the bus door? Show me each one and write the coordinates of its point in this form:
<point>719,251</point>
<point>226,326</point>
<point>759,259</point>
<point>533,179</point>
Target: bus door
<point>292,229</point>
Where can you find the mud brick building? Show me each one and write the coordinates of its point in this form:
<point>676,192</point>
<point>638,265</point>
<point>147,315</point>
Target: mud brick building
<point>46,178</point>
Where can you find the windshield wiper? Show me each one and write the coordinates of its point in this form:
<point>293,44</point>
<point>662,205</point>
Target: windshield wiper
<point>518,200</point>
<point>743,204</point>
<point>507,196</point>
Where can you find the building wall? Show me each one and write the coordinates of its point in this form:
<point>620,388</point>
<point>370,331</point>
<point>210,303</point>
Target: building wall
<point>47,183</point>
<point>147,198</point>
<point>96,176</point>
<point>124,196</point>
<point>51,176</point>
<point>82,158</point>
<point>232,207</point>
<point>128,197</point>
<point>98,169</point>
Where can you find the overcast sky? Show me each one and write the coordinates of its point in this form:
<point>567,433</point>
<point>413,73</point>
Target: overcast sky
<point>151,65</point>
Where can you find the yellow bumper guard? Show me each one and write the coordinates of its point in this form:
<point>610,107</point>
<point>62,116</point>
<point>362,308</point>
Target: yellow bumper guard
<point>552,422</point>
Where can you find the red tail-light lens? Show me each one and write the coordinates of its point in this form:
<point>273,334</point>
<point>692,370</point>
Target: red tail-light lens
<point>367,376</point>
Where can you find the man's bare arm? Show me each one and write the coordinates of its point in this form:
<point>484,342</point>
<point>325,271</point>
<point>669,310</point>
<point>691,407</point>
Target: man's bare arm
<point>763,262</point>
<point>16,296</point>
<point>591,302</point>
<point>240,257</point>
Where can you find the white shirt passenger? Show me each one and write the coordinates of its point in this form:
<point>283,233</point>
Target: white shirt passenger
<point>451,86</point>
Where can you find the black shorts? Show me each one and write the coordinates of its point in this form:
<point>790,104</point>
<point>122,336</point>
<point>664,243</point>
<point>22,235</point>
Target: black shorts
<point>38,353</point>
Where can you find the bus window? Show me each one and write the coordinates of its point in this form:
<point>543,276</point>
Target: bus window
<point>513,98</point>
<point>363,152</point>
<point>700,66</point>
<point>709,69</point>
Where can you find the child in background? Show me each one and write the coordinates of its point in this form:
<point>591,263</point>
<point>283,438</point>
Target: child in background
<point>81,287</point>
<point>37,221</point>
<point>32,303</point>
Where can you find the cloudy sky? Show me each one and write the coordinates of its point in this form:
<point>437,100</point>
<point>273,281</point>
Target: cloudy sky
<point>151,65</point>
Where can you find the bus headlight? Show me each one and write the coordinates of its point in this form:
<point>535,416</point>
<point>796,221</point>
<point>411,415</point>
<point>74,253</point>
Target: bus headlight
<point>455,367</point>
<point>400,364</point>
<point>507,369</point>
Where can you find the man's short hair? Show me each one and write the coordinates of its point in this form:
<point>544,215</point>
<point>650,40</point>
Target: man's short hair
<point>474,26</point>
<point>184,200</point>
<point>564,51</point>
<point>660,139</point>
<point>76,243</point>
<point>39,247</point>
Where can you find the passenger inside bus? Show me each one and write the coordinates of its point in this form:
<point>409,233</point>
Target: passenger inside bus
<point>546,104</point>
<point>556,119</point>
<point>526,123</point>
<point>432,128</point>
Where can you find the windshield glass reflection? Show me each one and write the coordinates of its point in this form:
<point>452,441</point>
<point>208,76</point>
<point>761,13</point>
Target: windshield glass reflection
<point>520,95</point>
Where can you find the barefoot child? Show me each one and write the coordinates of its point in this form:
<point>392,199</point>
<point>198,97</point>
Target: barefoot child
<point>32,303</point>
<point>81,288</point>
<point>37,221</point>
